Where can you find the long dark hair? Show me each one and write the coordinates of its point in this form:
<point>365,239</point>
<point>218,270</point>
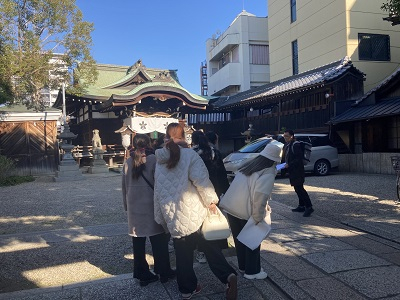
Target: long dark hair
<point>201,143</point>
<point>159,142</point>
<point>174,130</point>
<point>256,164</point>
<point>212,137</point>
<point>141,143</point>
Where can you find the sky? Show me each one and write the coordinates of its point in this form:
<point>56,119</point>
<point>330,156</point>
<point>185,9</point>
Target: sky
<point>165,34</point>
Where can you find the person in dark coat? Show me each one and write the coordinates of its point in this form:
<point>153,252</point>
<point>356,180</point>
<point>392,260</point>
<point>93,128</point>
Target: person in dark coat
<point>217,174</point>
<point>212,139</point>
<point>213,161</point>
<point>293,157</point>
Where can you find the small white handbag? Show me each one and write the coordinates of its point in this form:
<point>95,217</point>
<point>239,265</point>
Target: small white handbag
<point>215,226</point>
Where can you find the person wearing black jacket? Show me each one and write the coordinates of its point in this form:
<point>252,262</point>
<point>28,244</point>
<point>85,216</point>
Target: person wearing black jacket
<point>213,160</point>
<point>217,173</point>
<point>293,157</point>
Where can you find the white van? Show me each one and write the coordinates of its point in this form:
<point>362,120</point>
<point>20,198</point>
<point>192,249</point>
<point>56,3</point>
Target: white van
<point>323,158</point>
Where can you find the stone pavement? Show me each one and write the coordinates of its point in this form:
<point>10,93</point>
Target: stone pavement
<point>68,241</point>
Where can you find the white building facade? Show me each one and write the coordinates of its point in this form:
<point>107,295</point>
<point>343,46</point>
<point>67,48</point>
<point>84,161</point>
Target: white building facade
<point>50,94</point>
<point>238,59</point>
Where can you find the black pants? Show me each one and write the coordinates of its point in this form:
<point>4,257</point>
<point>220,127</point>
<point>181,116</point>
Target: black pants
<point>185,275</point>
<point>304,198</point>
<point>159,245</point>
<point>248,260</point>
<point>222,244</point>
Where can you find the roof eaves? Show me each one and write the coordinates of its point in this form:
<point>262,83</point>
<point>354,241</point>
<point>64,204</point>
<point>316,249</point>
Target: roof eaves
<point>379,86</point>
<point>294,83</point>
<point>195,98</point>
<point>378,110</point>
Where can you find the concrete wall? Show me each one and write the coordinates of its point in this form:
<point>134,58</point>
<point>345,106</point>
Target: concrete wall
<point>378,163</point>
<point>326,31</point>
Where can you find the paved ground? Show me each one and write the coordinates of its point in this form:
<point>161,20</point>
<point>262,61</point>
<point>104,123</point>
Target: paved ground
<point>67,240</point>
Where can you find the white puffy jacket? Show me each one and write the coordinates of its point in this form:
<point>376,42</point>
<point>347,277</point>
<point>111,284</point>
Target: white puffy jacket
<point>182,194</point>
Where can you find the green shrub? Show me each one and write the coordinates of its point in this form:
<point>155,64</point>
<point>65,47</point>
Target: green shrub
<point>6,166</point>
<point>14,180</point>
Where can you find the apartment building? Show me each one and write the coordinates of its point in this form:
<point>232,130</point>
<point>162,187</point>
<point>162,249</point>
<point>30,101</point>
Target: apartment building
<point>307,34</point>
<point>50,93</point>
<point>238,59</point>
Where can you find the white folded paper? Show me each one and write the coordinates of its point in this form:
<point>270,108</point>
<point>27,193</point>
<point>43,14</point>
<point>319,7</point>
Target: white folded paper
<point>252,235</point>
<point>280,166</point>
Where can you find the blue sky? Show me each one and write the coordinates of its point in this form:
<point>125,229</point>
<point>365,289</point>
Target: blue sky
<point>164,34</point>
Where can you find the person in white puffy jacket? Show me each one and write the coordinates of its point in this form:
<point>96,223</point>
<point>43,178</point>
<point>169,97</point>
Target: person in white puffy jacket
<point>247,197</point>
<point>183,193</point>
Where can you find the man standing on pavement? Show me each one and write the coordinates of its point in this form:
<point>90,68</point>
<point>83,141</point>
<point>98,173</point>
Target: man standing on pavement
<point>293,157</point>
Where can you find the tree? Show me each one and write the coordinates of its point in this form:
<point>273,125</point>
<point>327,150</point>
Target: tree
<point>393,8</point>
<point>33,32</point>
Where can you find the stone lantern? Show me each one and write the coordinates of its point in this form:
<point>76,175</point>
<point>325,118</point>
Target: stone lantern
<point>68,170</point>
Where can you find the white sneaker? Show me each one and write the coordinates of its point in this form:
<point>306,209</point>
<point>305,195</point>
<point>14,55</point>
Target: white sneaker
<point>201,257</point>
<point>261,275</point>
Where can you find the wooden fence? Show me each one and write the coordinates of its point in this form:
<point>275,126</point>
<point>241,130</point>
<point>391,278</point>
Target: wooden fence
<point>114,154</point>
<point>32,145</point>
<point>378,163</point>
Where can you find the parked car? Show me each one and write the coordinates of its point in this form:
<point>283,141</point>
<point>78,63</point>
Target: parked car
<point>323,158</point>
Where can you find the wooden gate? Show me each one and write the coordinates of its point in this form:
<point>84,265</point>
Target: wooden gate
<point>32,145</point>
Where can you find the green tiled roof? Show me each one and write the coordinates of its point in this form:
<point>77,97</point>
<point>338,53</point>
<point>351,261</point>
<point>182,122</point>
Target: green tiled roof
<point>127,77</point>
<point>108,74</point>
<point>137,89</point>
<point>21,108</point>
<point>114,75</point>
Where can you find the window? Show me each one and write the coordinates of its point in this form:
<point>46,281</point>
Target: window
<point>259,54</point>
<point>235,54</point>
<point>295,58</point>
<point>373,47</point>
<point>226,59</point>
<point>293,15</point>
<point>394,133</point>
<point>302,139</point>
<point>318,141</point>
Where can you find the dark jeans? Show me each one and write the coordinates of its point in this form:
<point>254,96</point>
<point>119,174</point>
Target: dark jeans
<point>159,245</point>
<point>185,275</point>
<point>304,199</point>
<point>248,260</point>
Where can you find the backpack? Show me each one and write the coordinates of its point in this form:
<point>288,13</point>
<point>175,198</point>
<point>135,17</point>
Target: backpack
<point>306,150</point>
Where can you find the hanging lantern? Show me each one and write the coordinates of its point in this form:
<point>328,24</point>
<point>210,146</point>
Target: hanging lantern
<point>126,133</point>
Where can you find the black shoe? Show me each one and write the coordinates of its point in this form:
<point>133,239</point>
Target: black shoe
<point>308,212</point>
<point>148,279</point>
<point>299,209</point>
<point>171,275</point>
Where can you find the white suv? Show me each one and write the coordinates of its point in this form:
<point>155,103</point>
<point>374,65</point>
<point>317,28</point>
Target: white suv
<point>323,155</point>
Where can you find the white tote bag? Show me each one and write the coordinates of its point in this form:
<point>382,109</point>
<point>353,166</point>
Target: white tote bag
<point>236,200</point>
<point>215,226</point>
